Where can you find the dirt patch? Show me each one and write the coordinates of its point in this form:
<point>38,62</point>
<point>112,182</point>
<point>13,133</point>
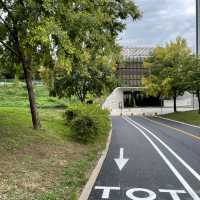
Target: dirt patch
<point>35,169</point>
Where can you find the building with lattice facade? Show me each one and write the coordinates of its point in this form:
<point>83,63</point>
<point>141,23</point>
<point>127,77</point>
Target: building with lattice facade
<point>131,69</point>
<point>131,96</point>
<point>130,72</point>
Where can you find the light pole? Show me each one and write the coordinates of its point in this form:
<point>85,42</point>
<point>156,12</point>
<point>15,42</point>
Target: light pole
<point>197,27</point>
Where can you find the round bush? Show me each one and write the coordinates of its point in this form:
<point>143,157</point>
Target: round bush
<point>87,121</point>
<point>84,128</point>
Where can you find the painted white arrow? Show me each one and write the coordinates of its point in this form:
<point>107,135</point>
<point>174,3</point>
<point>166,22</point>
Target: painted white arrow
<point>121,161</point>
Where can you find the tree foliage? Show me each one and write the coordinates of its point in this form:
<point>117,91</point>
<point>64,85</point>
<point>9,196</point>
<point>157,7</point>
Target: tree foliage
<point>8,70</point>
<point>30,31</point>
<point>167,66</point>
<point>92,28</point>
<point>191,76</point>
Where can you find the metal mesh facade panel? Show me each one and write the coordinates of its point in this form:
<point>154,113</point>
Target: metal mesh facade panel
<point>131,71</point>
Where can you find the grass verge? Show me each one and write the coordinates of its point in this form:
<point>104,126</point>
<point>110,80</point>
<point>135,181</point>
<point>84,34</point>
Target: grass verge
<point>190,117</point>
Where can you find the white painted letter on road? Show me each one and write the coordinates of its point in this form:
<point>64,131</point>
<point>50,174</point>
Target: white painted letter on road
<point>130,194</point>
<point>106,191</point>
<point>174,193</point>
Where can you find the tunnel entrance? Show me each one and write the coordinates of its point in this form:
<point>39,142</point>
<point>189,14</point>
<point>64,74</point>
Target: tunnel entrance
<point>134,99</point>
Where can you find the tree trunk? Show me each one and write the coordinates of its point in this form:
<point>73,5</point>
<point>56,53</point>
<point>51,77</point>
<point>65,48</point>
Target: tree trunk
<point>198,96</point>
<point>31,95</point>
<point>52,92</point>
<point>174,98</point>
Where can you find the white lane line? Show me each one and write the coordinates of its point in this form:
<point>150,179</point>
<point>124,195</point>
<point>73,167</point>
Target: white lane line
<point>169,164</point>
<point>186,165</point>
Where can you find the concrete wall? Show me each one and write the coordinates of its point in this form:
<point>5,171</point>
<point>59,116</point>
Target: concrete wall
<point>114,99</point>
<point>185,100</point>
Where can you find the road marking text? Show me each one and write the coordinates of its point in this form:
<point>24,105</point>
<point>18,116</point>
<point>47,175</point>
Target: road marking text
<point>134,192</point>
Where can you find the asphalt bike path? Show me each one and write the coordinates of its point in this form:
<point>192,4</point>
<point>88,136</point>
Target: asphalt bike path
<point>186,146</point>
<point>179,147</point>
<point>139,166</point>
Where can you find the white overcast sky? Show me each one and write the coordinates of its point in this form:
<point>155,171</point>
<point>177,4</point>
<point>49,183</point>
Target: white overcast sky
<point>162,21</point>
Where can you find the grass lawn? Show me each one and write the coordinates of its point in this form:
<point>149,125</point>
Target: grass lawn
<point>190,117</point>
<point>40,165</point>
<point>16,96</point>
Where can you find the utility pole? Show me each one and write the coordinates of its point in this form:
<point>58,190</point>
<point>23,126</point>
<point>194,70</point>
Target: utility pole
<point>197,27</point>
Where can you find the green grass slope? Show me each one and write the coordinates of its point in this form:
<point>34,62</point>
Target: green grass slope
<point>190,117</point>
<point>44,164</point>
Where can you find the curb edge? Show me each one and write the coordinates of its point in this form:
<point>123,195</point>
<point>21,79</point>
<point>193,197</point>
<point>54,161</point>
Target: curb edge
<point>167,119</point>
<point>90,183</point>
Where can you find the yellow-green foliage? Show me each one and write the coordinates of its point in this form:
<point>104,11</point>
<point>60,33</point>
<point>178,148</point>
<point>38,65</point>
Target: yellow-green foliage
<point>166,65</point>
<point>93,120</point>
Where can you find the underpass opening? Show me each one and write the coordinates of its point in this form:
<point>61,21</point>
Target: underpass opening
<point>134,99</point>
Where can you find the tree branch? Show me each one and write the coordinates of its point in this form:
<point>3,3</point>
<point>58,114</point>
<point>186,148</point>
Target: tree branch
<point>8,47</point>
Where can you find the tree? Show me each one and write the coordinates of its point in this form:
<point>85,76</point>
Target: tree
<point>15,26</point>
<point>92,78</point>
<point>93,27</point>
<point>30,30</point>
<point>166,65</point>
<point>191,75</point>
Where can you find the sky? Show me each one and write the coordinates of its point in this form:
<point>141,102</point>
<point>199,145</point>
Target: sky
<point>162,21</point>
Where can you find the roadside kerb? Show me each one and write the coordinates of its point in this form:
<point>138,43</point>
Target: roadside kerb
<point>177,121</point>
<point>89,185</point>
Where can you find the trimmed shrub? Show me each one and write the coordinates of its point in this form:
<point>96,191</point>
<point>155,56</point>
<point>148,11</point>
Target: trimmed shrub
<point>87,121</point>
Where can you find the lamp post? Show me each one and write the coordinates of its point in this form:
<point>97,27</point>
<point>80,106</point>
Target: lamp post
<point>197,27</point>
